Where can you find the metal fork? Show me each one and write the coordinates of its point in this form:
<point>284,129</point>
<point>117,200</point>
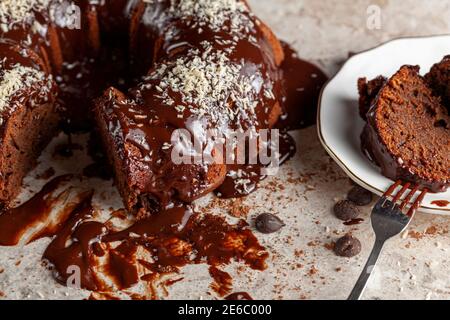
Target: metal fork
<point>388,220</point>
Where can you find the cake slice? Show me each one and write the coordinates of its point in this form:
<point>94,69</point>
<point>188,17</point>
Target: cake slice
<point>408,132</point>
<point>28,119</point>
<point>148,181</point>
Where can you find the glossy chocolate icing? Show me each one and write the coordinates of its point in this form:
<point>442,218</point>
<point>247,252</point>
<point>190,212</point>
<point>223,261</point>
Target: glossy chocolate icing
<point>29,93</point>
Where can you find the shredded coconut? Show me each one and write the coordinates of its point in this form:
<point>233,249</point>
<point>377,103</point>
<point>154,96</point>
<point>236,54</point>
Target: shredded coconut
<point>18,11</point>
<point>16,79</point>
<point>216,14</point>
<point>210,86</point>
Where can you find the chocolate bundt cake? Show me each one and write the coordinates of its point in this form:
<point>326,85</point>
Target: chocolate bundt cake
<point>207,64</point>
<point>215,66</point>
<point>408,130</point>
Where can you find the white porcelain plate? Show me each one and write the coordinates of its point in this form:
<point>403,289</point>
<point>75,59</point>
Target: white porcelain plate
<point>339,124</point>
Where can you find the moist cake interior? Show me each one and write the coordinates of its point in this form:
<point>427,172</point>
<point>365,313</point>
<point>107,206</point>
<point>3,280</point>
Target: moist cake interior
<point>408,127</point>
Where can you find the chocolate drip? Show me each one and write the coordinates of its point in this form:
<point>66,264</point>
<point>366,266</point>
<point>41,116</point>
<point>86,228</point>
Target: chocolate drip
<point>302,82</point>
<point>79,256</point>
<point>243,180</point>
<point>15,222</point>
<point>223,283</point>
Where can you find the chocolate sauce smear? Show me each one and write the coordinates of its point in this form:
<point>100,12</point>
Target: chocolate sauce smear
<point>15,222</point>
<point>163,242</point>
<point>223,283</point>
<point>76,245</point>
<point>171,239</point>
<point>441,203</point>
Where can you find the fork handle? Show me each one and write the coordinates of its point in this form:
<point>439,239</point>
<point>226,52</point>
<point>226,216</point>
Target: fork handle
<point>367,271</point>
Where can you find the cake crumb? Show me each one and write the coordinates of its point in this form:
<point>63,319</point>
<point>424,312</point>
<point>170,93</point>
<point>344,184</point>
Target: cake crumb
<point>238,209</point>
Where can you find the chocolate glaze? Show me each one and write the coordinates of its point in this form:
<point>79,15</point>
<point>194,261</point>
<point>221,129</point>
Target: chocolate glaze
<point>22,35</point>
<point>83,69</point>
<point>12,55</point>
<point>15,222</point>
<point>302,82</point>
<point>136,140</point>
<point>74,56</point>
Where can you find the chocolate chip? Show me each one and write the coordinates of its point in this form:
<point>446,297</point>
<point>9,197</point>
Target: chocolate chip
<point>268,223</point>
<point>360,196</point>
<point>346,210</point>
<point>347,246</point>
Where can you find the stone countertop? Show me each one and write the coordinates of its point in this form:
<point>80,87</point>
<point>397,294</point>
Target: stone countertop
<point>327,31</point>
<point>415,265</point>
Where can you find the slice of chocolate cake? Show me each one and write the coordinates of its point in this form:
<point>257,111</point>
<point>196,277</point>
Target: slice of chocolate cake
<point>439,80</point>
<point>27,117</point>
<point>408,132</point>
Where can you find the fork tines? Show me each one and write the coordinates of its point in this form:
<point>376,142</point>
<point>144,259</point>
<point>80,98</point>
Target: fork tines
<point>407,200</point>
